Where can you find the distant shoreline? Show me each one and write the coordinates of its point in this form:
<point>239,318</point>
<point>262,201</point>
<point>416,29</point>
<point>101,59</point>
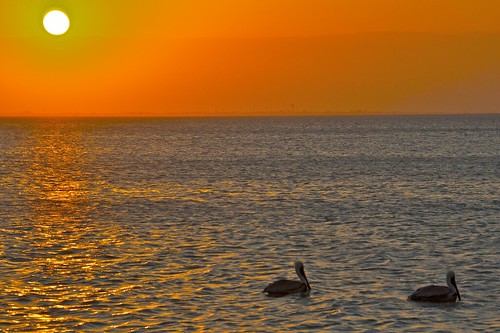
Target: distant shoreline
<point>367,114</point>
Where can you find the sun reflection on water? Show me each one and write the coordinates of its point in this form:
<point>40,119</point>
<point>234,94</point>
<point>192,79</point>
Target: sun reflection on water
<point>58,253</point>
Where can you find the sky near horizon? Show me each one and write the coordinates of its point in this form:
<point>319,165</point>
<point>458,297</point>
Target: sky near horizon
<point>250,57</point>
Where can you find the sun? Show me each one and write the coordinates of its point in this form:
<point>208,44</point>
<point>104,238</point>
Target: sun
<point>56,22</point>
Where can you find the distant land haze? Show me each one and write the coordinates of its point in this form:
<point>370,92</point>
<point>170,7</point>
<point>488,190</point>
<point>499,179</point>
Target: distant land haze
<point>221,58</point>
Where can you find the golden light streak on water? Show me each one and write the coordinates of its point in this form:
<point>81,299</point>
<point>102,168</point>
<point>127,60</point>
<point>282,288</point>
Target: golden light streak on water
<point>62,255</point>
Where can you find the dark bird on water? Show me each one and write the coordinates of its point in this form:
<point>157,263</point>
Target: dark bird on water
<point>438,294</point>
<point>285,287</point>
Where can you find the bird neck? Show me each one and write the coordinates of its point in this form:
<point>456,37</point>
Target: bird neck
<point>451,284</point>
<point>303,279</point>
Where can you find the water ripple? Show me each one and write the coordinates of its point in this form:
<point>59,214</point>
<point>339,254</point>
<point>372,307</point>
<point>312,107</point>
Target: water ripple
<point>178,225</point>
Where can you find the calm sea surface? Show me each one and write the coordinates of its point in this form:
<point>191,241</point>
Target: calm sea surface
<point>178,224</point>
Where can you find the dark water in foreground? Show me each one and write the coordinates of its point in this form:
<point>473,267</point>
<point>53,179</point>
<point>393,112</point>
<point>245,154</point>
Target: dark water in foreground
<point>178,224</point>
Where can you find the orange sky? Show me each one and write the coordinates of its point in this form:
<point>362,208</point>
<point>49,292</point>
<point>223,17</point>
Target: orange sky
<point>250,57</point>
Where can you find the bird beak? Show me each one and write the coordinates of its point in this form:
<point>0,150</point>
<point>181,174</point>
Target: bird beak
<point>456,288</point>
<point>458,294</point>
<point>305,277</point>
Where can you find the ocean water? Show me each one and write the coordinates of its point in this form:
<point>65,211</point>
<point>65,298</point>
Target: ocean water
<point>158,225</point>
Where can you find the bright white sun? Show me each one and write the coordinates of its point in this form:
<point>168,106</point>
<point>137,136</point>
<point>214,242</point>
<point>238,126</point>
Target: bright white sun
<point>56,22</point>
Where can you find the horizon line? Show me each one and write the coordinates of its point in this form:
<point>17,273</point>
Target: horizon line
<point>252,116</point>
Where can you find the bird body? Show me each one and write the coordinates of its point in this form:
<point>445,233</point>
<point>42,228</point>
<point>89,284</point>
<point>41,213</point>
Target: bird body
<point>438,294</point>
<point>285,287</point>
